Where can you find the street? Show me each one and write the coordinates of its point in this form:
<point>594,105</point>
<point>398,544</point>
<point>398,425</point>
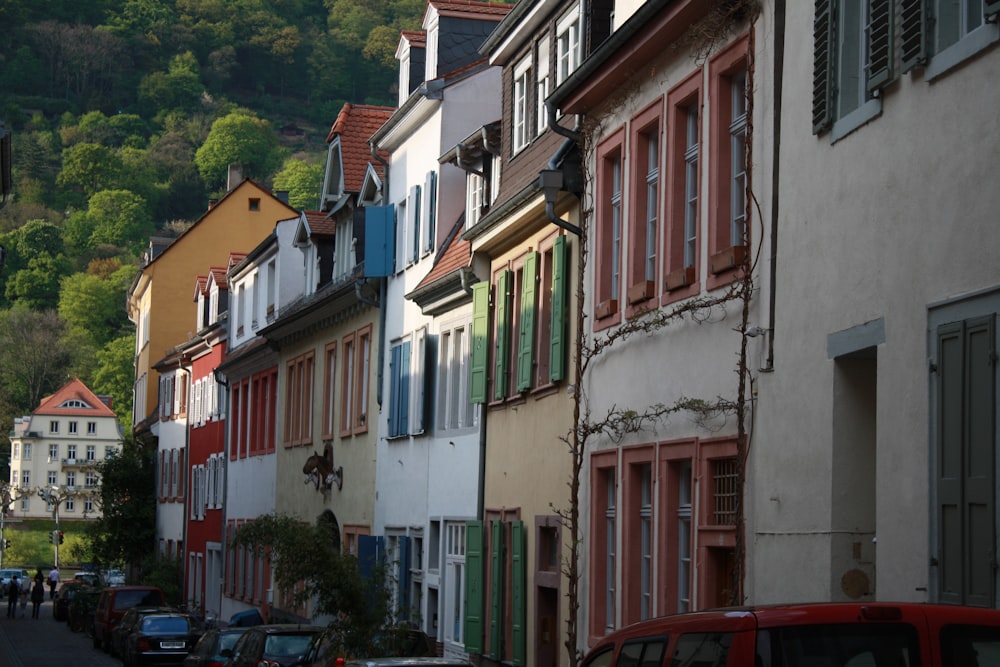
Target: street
<point>45,642</point>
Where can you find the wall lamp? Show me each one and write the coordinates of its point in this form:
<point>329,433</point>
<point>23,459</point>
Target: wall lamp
<point>550,182</point>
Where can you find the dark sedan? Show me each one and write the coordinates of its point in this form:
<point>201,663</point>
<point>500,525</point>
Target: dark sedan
<point>208,651</point>
<point>128,625</point>
<point>161,639</point>
<point>280,645</point>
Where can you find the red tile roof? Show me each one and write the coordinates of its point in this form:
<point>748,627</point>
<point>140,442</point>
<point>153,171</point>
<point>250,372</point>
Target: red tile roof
<point>319,223</point>
<point>467,6</point>
<point>218,275</point>
<point>417,38</point>
<point>200,286</point>
<point>355,124</point>
<point>456,256</point>
<point>73,390</point>
<point>235,258</point>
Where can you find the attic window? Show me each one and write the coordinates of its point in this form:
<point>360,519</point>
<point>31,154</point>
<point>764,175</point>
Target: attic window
<point>254,203</point>
<point>74,403</point>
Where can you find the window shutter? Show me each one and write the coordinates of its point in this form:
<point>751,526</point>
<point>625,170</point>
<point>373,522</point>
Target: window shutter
<point>824,32</point>
<point>913,33</point>
<point>404,386</point>
<point>430,211</point>
<point>474,587</point>
<point>393,416</point>
<point>427,366</point>
<point>403,590</point>
<point>413,222</point>
<point>880,43</point>
<point>502,350</point>
<point>557,343</point>
<point>380,237</point>
<point>991,7</point>
<point>370,549</point>
<point>496,589</point>
<point>480,338</point>
<point>518,592</point>
<point>526,336</point>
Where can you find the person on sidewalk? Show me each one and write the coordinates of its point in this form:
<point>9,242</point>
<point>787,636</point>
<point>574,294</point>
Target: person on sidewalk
<point>13,595</point>
<point>53,582</point>
<point>37,597</point>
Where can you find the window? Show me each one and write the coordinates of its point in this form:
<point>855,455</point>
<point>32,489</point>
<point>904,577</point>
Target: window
<point>271,289</point>
<point>254,204</point>
<point>360,420</point>
<point>88,505</point>
<point>567,45</point>
<point>53,478</point>
<point>455,410</point>
<point>957,30</point>
<point>637,528</point>
<point>26,454</point>
<point>454,585</point>
<point>682,220</point>
<point>355,374</point>
<point>644,215</point>
<point>298,400</point>
<point>72,428</point>
<point>413,223</point>
<point>429,212</point>
<point>496,605</point>
<point>853,59</point>
<point>53,453</point>
<point>348,378</point>
<point>91,428</point>
<point>53,426</point>
<point>90,480</point>
<point>521,108</point>
<point>542,88</point>
<point>71,479</point>
<point>25,482</point>
<point>608,247</point>
<point>475,196</point>
<point>329,390</point>
<point>69,505</point>
<point>683,495</point>
<point>399,389</point>
<point>70,452</point>
<point>727,230</point>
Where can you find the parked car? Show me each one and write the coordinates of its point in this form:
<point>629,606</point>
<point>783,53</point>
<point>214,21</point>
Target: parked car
<point>162,638</point>
<point>400,641</point>
<point>113,603</point>
<point>208,652</point>
<point>81,608</point>
<point>130,621</point>
<point>277,645</point>
<point>114,578</point>
<point>425,661</point>
<point>60,604</point>
<point>8,572</point>
<point>91,578</point>
<point>874,634</point>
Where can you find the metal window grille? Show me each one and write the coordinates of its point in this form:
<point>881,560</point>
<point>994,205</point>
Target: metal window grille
<point>725,496</point>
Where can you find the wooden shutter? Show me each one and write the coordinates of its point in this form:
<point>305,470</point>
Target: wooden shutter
<point>380,241</point>
<point>370,550</point>
<point>518,585</point>
<point>480,338</point>
<point>824,52</point>
<point>496,589</point>
<point>526,335</point>
<point>404,386</point>
<point>557,332</point>
<point>430,211</point>
<point>474,573</point>
<point>965,448</point>
<point>393,417</point>
<point>413,222</point>
<point>913,33</point>
<point>880,44</point>
<point>403,589</point>
<point>501,357</point>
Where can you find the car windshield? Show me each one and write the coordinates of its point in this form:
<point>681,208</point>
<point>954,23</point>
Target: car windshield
<point>228,640</point>
<point>287,645</point>
<point>128,599</point>
<point>840,645</point>
<point>163,625</point>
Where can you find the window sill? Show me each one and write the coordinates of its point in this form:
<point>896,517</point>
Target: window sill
<point>965,48</point>
<point>852,121</point>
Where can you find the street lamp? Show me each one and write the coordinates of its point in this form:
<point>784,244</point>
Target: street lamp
<point>9,494</point>
<point>55,496</point>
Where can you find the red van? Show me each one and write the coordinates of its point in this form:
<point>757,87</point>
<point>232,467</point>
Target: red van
<point>875,634</point>
<point>113,604</point>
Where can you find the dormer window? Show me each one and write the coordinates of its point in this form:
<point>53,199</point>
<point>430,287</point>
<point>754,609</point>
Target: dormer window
<point>567,45</point>
<point>520,123</point>
<point>333,182</point>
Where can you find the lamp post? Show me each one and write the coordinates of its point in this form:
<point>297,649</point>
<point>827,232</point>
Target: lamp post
<point>55,496</point>
<point>9,494</point>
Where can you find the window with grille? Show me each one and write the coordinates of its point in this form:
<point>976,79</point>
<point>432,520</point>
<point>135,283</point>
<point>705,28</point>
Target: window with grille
<point>724,484</point>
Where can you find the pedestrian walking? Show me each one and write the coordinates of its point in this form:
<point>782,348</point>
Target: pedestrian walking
<point>37,596</point>
<point>13,595</point>
<point>53,582</point>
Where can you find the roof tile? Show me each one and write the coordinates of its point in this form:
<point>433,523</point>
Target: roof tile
<point>355,124</point>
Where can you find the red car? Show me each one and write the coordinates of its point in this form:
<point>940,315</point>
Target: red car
<point>873,634</point>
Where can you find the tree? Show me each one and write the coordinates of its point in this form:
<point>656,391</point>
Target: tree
<point>302,180</point>
<point>89,168</point>
<point>91,306</point>
<point>178,88</point>
<point>126,530</point>
<point>33,360</point>
<point>37,286</point>
<point>114,375</point>
<point>238,138</point>
<point>120,219</point>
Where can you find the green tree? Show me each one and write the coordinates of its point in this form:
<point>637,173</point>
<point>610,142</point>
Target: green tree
<point>302,180</point>
<point>126,531</point>
<point>33,359</point>
<point>114,375</point>
<point>120,219</point>
<point>89,168</point>
<point>37,286</point>
<point>91,306</point>
<point>238,138</point>
<point>178,88</point>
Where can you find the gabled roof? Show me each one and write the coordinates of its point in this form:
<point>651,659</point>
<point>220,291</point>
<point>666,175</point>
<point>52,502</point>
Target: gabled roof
<point>354,125</point>
<point>456,255</point>
<point>470,7</point>
<point>217,275</point>
<point>200,286</point>
<point>66,401</point>
<point>416,38</point>
<point>319,223</point>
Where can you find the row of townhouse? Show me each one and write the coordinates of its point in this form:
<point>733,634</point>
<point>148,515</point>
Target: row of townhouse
<point>628,308</point>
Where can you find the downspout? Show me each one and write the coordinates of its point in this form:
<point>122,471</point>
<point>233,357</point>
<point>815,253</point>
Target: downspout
<point>572,139</point>
<point>187,480</point>
<point>382,288</point>
<point>779,66</point>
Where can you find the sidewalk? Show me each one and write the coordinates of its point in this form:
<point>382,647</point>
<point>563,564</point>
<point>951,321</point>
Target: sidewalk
<point>46,642</point>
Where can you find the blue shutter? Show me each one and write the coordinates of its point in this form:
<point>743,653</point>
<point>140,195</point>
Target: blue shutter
<point>403,590</point>
<point>394,357</point>
<point>413,211</point>
<point>557,331</point>
<point>474,573</point>
<point>430,208</point>
<point>370,550</point>
<point>404,394</point>
<point>480,340</point>
<point>380,241</point>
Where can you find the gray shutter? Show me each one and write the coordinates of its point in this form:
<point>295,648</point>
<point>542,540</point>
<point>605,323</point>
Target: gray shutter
<point>824,52</point>
<point>880,43</point>
<point>913,34</point>
<point>949,448</point>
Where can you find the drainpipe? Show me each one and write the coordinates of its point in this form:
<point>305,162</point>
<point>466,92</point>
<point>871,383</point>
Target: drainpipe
<point>189,370</point>
<point>382,288</point>
<point>779,66</point>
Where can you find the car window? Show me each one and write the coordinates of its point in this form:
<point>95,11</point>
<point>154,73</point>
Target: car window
<point>704,649</point>
<point>165,625</point>
<point>602,658</point>
<point>970,646</point>
<point>124,599</point>
<point>643,653</point>
<point>841,645</point>
<point>287,645</point>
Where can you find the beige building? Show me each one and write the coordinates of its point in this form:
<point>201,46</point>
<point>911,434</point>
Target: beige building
<point>57,448</point>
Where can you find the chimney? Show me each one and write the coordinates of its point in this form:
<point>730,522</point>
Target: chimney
<point>211,203</point>
<point>282,195</point>
<point>235,176</point>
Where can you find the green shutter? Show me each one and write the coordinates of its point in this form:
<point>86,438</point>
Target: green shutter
<point>474,587</point>
<point>824,52</point>
<point>501,357</point>
<point>480,338</point>
<point>518,591</point>
<point>557,342</point>
<point>880,44</point>
<point>913,34</point>
<point>526,335</point>
<point>496,589</point>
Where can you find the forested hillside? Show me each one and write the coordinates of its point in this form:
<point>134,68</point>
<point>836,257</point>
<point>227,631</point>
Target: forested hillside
<point>125,115</point>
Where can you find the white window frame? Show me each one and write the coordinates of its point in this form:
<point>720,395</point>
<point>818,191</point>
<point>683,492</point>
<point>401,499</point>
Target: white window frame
<point>567,45</point>
<point>542,87</point>
<point>737,152</point>
<point>971,39</point>
<point>519,112</point>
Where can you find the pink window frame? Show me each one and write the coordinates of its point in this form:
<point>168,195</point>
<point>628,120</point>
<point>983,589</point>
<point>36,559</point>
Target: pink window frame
<point>607,305</point>
<point>602,465</point>
<point>631,500</point>
<point>640,294</point>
